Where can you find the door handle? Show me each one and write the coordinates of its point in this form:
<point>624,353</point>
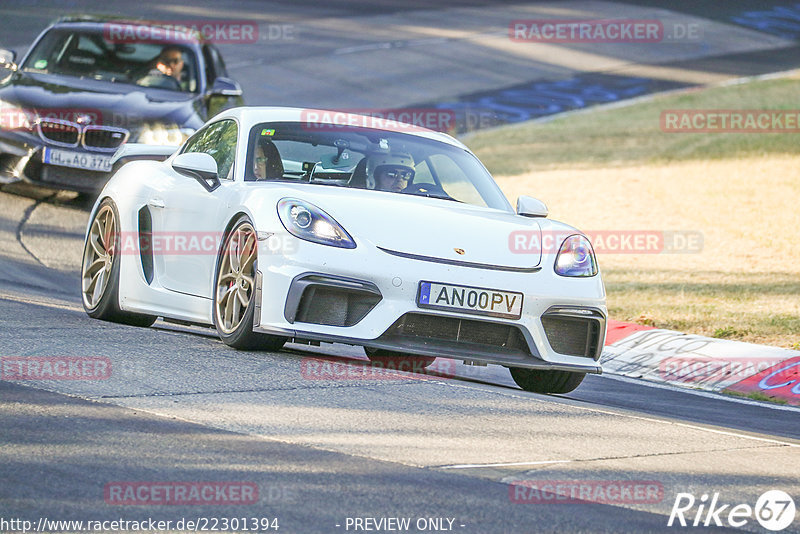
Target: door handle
<point>156,203</point>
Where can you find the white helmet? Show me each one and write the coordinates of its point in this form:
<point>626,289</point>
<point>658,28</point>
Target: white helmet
<point>376,161</point>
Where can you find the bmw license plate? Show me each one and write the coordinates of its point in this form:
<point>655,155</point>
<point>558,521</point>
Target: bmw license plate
<point>77,160</point>
<point>474,300</point>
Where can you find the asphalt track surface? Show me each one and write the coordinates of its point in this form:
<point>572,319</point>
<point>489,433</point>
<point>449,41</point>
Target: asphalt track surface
<point>180,406</point>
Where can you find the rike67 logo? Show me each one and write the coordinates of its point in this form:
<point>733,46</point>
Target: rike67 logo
<point>774,510</point>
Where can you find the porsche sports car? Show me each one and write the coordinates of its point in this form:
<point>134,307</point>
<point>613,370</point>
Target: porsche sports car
<point>89,85</point>
<point>271,227</point>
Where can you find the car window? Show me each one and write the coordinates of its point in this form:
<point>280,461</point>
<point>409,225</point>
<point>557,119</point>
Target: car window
<point>367,158</point>
<point>215,66</point>
<point>211,74</point>
<point>218,140</point>
<point>110,57</point>
<point>423,173</point>
<point>219,63</point>
<point>453,179</point>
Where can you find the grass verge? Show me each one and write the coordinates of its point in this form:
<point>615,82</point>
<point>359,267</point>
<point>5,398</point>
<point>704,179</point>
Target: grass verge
<point>615,170</point>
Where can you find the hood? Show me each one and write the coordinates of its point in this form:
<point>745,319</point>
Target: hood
<point>108,103</point>
<point>425,226</point>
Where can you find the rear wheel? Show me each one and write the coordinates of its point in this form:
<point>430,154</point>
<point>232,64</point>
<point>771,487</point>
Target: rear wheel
<point>235,291</point>
<point>100,270</point>
<point>546,381</point>
<point>398,360</point>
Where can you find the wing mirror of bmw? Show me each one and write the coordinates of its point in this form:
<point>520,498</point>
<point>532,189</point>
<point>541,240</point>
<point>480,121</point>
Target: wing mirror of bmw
<point>224,93</point>
<point>200,166</point>
<point>531,207</point>
<point>225,87</point>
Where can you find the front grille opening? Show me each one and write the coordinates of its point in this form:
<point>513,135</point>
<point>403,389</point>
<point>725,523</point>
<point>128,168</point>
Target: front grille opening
<point>573,336</point>
<point>453,329</point>
<point>102,138</point>
<point>59,132</point>
<point>334,306</point>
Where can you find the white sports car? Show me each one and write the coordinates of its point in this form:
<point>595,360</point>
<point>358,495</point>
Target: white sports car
<point>272,227</point>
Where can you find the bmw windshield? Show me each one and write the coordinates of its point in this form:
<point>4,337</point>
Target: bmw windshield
<point>91,54</point>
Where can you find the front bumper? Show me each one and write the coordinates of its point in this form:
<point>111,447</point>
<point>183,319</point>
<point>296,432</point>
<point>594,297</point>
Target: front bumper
<point>21,161</point>
<point>367,297</point>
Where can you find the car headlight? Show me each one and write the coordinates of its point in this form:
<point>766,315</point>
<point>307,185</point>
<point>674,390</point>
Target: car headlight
<point>576,257</point>
<point>156,133</point>
<point>306,221</point>
<point>14,117</point>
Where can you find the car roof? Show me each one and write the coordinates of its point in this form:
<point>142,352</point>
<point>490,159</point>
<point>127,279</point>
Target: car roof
<point>249,116</point>
<point>101,23</point>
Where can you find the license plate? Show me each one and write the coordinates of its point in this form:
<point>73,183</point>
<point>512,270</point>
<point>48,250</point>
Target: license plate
<point>474,300</point>
<point>77,160</point>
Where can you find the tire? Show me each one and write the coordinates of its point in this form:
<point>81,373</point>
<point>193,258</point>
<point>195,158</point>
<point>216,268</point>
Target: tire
<point>234,290</point>
<point>100,270</point>
<point>544,381</point>
<point>398,360</point>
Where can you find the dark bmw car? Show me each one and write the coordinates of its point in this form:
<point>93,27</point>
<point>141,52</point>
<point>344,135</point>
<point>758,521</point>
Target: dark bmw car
<point>87,86</point>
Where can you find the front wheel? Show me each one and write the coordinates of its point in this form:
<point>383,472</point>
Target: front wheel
<point>235,291</point>
<point>100,270</point>
<point>546,381</point>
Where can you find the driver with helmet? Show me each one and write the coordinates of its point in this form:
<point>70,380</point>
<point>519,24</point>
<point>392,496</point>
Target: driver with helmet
<point>389,172</point>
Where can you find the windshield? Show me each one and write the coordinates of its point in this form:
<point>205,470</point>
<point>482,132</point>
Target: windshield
<point>365,158</point>
<point>90,54</point>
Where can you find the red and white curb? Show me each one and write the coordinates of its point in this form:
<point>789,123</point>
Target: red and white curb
<point>698,362</point>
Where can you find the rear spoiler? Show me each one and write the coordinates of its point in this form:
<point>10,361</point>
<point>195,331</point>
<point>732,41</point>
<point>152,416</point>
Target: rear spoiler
<point>136,151</point>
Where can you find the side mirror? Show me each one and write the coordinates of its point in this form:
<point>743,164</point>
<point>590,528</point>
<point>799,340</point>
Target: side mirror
<point>531,207</point>
<point>225,87</point>
<point>7,58</point>
<point>200,166</point>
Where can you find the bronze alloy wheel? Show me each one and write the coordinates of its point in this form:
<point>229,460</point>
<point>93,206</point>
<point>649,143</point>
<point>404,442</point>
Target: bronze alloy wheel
<point>235,291</point>
<point>98,257</point>
<point>236,278</point>
<point>100,277</point>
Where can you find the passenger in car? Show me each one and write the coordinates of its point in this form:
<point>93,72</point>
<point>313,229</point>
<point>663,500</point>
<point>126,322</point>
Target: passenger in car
<point>267,162</point>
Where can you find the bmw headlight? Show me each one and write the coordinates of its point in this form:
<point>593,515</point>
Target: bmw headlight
<point>14,117</point>
<point>157,133</point>
<point>306,221</point>
<point>576,257</point>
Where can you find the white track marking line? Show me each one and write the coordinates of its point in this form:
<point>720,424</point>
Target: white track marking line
<point>39,301</point>
<point>507,464</point>
<point>701,393</point>
<point>573,403</point>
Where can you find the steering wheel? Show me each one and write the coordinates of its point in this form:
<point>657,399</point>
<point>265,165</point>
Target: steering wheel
<point>429,190</point>
<point>160,80</point>
<point>168,82</point>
